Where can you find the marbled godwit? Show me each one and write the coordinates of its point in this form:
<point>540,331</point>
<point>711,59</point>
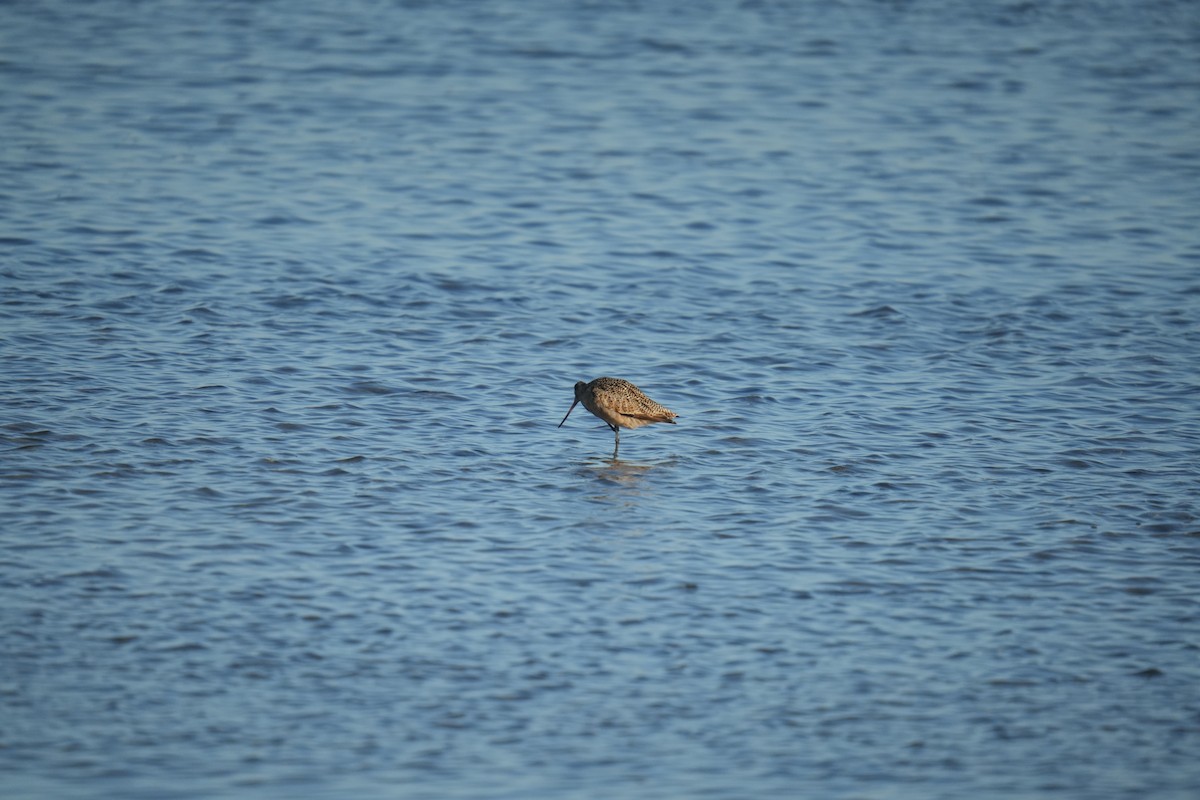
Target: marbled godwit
<point>620,404</point>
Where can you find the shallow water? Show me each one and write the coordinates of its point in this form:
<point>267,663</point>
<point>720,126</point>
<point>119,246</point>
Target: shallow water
<point>294,298</point>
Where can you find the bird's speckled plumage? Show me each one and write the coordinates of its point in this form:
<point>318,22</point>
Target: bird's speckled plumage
<point>620,404</point>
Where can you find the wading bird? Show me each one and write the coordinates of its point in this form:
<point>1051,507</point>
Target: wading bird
<point>620,404</point>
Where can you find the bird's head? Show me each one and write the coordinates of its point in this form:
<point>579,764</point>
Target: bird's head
<point>580,388</point>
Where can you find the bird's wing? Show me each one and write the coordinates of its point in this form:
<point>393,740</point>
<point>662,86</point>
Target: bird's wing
<point>652,416</point>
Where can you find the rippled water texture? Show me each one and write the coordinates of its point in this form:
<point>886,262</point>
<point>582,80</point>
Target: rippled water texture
<point>294,296</point>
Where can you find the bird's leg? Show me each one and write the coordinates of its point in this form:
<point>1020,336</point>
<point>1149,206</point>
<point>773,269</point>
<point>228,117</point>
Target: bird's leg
<point>616,440</point>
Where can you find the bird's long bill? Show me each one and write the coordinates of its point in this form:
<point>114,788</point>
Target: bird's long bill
<point>569,410</point>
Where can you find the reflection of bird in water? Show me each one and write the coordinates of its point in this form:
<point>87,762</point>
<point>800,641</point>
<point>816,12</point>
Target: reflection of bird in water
<point>620,404</point>
<point>622,473</point>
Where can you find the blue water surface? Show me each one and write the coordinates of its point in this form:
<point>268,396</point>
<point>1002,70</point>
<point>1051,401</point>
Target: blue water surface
<point>294,296</point>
